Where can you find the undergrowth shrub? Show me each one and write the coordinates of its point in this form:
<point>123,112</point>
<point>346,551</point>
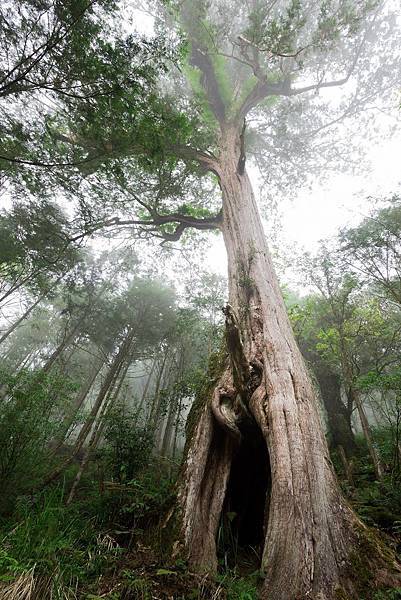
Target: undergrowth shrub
<point>30,405</point>
<point>128,448</point>
<point>239,587</point>
<point>377,502</point>
<point>394,594</point>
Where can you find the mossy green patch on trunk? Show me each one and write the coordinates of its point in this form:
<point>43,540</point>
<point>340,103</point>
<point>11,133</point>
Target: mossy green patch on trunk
<point>372,568</point>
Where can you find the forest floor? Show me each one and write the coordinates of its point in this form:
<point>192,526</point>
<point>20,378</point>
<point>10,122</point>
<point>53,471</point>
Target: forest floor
<point>109,542</point>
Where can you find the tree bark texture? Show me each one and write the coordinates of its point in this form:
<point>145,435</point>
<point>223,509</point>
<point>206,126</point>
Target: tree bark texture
<point>310,528</point>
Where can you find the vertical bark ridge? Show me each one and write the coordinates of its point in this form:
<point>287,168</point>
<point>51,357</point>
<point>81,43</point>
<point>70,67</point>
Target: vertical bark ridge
<point>202,493</point>
<point>297,478</point>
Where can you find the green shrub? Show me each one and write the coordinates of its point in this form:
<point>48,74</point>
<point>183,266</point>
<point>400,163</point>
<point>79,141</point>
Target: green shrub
<point>394,594</point>
<point>128,447</point>
<point>377,502</point>
<point>240,588</point>
<point>30,408</point>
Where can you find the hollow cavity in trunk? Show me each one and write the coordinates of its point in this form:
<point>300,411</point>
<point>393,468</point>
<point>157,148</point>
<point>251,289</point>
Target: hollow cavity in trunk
<point>244,516</point>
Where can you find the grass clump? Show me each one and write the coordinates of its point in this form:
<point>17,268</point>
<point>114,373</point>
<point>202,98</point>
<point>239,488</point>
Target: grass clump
<point>239,587</point>
<point>48,551</point>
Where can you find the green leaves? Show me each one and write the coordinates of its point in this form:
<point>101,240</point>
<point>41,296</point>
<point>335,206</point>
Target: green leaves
<point>373,248</point>
<point>278,35</point>
<point>35,244</point>
<point>28,421</point>
<point>165,572</point>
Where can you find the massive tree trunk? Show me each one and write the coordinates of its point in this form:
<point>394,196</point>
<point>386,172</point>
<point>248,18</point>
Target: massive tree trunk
<point>308,531</point>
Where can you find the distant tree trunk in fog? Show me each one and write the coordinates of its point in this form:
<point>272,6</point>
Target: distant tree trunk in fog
<point>112,397</point>
<point>168,430</point>
<point>68,339</point>
<point>339,419</point>
<point>19,284</point>
<point>156,402</point>
<point>108,384</point>
<point>67,356</point>
<point>18,322</point>
<point>16,286</point>
<point>376,417</point>
<point>356,397</point>
<point>176,428</point>
<point>105,390</point>
<point>93,442</point>
<point>24,361</point>
<point>142,401</point>
<point>29,364</point>
<point>347,465</point>
<point>79,400</point>
<point>164,415</point>
<point>165,447</point>
<point>122,379</point>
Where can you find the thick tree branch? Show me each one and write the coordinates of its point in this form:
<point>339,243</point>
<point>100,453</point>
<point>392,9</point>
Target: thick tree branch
<point>264,88</point>
<point>48,165</point>
<point>209,81</point>
<point>206,159</point>
<point>155,223</point>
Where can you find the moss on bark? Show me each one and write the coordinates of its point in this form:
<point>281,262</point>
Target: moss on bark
<point>215,369</point>
<point>372,567</point>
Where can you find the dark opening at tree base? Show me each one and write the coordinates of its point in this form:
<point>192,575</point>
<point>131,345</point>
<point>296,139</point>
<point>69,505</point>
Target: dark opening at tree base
<point>244,516</point>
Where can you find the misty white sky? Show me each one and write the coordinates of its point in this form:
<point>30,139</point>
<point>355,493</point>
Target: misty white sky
<point>320,212</point>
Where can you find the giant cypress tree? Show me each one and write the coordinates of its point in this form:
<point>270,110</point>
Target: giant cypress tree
<point>253,62</point>
<point>256,81</point>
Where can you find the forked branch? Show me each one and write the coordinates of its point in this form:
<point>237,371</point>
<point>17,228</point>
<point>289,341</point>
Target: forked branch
<point>263,88</point>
